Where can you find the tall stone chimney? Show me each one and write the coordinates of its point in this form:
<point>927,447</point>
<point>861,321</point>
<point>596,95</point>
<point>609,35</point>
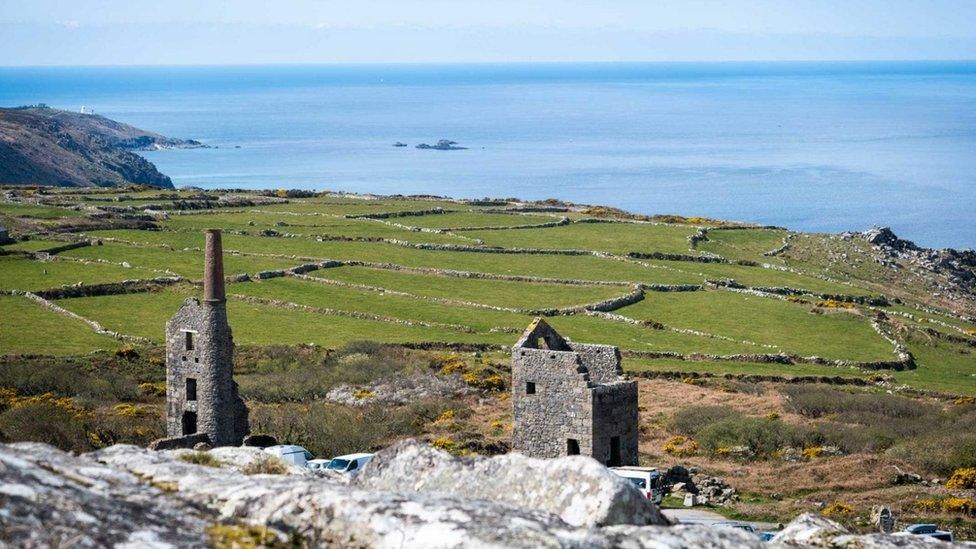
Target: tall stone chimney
<point>213,265</point>
<point>202,399</point>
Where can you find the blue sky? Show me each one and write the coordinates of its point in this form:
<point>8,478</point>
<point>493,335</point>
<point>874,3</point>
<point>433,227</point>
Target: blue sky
<point>54,32</point>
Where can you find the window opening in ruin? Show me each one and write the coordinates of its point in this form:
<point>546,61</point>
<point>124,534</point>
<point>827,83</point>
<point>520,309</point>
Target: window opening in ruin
<point>572,447</point>
<point>540,343</point>
<point>189,423</point>
<point>614,452</point>
<point>189,341</point>
<point>191,389</point>
<point>529,388</point>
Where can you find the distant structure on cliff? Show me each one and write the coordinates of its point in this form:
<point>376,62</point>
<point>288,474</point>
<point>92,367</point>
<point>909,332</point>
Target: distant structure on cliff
<point>571,398</point>
<point>202,400</point>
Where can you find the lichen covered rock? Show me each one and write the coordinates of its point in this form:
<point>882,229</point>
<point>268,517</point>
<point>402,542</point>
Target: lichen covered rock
<point>578,489</point>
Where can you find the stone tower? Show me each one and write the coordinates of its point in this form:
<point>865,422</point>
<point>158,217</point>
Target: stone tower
<point>571,398</point>
<point>201,395</point>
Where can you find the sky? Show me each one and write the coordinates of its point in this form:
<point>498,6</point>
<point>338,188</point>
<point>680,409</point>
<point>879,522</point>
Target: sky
<point>185,32</point>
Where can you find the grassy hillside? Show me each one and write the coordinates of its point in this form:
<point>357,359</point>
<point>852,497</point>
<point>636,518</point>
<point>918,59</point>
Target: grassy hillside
<point>442,272</point>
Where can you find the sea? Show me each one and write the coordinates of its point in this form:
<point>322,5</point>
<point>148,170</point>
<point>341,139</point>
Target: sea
<point>826,147</point>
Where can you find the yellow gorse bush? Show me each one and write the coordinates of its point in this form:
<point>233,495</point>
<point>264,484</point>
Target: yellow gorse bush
<point>681,446</point>
<point>10,399</point>
<point>962,479</point>
<point>838,510</point>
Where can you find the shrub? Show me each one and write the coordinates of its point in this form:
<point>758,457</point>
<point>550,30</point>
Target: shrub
<point>224,536</point>
<point>266,465</point>
<point>962,479</point>
<point>689,421</point>
<point>762,437</point>
<point>835,510</point>
<point>333,429</point>
<point>940,453</point>
<point>813,452</point>
<point>200,458</point>
<point>153,389</point>
<point>681,446</point>
<point>965,506</point>
<point>45,421</point>
<point>816,401</point>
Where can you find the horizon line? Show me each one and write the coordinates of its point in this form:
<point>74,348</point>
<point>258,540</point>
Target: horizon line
<point>497,63</point>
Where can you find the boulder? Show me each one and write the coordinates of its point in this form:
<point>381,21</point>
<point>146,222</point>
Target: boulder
<point>126,496</point>
<point>49,498</point>
<point>578,489</point>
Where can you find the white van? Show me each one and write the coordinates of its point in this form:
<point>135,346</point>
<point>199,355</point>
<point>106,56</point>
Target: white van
<point>318,464</point>
<point>646,479</point>
<point>350,464</point>
<point>290,453</point>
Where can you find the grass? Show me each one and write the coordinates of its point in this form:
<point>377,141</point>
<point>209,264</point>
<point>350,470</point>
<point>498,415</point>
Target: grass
<point>744,244</point>
<point>186,263</point>
<point>18,273</point>
<point>742,323</point>
<point>347,299</point>
<point>32,245</point>
<point>619,238</point>
<point>29,328</point>
<point>37,212</point>
<point>790,327</point>
<point>474,219</point>
<point>501,293</point>
<point>942,366</point>
<point>747,368</point>
<point>145,315</point>
<point>306,224</point>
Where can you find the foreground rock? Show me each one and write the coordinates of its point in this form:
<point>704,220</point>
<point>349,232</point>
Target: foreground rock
<point>579,490</point>
<point>132,497</point>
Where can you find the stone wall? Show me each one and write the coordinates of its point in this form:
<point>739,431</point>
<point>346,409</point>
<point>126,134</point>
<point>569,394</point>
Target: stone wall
<point>560,408</point>
<point>615,416</point>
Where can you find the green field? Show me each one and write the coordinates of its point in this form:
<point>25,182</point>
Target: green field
<point>384,302</point>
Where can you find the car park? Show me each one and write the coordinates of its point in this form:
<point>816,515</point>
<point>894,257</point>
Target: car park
<point>290,453</point>
<point>350,463</point>
<point>318,464</point>
<point>646,479</point>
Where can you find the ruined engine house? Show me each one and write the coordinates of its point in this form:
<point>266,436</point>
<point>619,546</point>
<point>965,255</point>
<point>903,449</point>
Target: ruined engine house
<point>571,398</point>
<point>201,395</point>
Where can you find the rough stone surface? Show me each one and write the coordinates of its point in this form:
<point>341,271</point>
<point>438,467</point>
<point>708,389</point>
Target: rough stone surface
<point>589,494</point>
<point>571,398</point>
<point>126,496</point>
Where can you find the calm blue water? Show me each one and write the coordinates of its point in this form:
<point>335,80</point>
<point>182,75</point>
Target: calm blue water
<point>812,146</point>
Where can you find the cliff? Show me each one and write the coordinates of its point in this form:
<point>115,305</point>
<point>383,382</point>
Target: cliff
<point>44,146</point>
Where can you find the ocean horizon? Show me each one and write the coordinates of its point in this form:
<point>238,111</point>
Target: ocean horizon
<point>813,146</point>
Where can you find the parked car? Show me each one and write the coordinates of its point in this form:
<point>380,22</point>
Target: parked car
<point>646,479</point>
<point>930,530</point>
<point>290,453</point>
<point>318,464</point>
<point>744,526</point>
<point>351,463</point>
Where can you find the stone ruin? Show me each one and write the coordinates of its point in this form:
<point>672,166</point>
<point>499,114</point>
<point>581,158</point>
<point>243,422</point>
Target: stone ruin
<point>202,400</point>
<point>571,398</point>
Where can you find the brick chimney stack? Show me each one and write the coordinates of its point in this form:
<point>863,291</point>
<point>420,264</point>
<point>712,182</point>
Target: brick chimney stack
<point>213,265</point>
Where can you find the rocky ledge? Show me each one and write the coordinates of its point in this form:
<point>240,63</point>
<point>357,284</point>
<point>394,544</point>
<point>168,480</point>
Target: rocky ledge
<point>957,267</point>
<point>411,495</point>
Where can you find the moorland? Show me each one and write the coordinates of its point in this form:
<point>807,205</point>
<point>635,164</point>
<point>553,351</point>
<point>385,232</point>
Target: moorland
<point>824,362</point>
